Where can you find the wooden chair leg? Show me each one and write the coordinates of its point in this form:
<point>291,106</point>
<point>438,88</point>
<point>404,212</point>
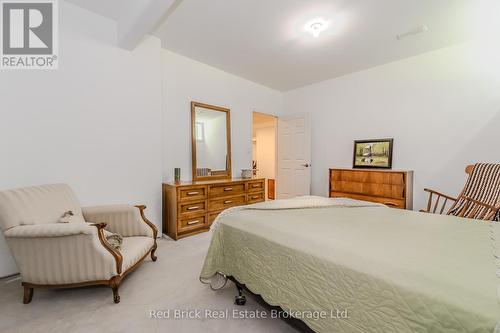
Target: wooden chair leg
<point>28,295</point>
<point>114,283</point>
<point>153,257</point>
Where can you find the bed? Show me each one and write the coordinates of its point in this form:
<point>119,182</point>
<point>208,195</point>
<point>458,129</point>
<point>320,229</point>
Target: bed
<point>391,270</point>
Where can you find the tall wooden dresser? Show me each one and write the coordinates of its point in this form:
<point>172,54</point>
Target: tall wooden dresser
<point>191,207</point>
<point>389,187</point>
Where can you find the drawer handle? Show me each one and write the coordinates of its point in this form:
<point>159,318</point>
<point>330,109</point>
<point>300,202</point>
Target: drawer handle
<point>193,222</point>
<point>255,185</point>
<point>228,189</point>
<point>228,202</point>
<point>193,207</point>
<point>193,193</point>
<point>256,197</point>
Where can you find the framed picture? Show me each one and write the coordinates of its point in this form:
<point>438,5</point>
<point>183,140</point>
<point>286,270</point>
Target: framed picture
<point>375,154</point>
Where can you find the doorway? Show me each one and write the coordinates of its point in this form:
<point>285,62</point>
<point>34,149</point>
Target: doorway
<point>264,150</point>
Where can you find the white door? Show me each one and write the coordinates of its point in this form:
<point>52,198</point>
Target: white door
<point>294,156</point>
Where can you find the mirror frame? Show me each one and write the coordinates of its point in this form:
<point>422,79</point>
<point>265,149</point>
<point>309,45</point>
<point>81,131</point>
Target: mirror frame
<point>227,174</point>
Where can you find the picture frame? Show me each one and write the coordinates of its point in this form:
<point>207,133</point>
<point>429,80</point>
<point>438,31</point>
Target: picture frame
<point>372,154</point>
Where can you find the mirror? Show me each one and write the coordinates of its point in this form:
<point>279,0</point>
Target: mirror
<point>211,137</point>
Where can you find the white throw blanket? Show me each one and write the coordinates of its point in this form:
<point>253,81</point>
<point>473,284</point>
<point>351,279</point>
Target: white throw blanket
<point>301,202</point>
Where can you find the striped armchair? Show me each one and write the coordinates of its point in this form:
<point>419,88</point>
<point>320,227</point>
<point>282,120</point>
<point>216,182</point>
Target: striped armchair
<point>50,254</point>
<point>480,198</point>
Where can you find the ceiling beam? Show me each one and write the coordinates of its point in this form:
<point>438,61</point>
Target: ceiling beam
<point>135,23</point>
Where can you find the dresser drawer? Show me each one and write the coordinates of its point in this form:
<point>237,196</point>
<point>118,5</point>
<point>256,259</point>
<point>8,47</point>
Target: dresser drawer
<point>220,190</point>
<point>224,203</point>
<point>255,185</point>
<point>390,202</point>
<point>370,189</point>
<point>192,207</point>
<point>255,197</point>
<point>360,176</point>
<point>191,223</point>
<point>192,193</point>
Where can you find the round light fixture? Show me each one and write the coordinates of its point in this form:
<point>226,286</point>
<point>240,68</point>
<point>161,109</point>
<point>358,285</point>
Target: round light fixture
<point>316,26</point>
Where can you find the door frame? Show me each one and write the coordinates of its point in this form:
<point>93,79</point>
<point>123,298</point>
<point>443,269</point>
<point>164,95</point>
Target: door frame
<point>275,150</point>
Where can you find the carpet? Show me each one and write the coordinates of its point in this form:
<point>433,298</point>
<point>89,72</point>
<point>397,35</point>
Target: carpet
<point>168,287</point>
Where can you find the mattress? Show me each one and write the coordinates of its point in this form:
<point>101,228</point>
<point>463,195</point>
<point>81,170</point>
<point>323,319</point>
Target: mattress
<point>389,270</point>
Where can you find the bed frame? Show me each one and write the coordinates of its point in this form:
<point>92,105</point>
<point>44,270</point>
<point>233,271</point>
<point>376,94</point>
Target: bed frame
<point>240,300</point>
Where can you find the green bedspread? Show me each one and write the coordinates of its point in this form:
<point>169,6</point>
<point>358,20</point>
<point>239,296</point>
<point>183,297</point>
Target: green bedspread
<point>392,270</point>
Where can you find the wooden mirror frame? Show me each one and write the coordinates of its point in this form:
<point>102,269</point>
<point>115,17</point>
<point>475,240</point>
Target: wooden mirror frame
<point>227,174</point>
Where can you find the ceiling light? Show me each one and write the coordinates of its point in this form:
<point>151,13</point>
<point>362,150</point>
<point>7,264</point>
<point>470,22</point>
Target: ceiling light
<point>316,26</point>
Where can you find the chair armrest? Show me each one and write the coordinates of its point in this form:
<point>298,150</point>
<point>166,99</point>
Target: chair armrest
<point>53,254</point>
<point>154,229</point>
<point>440,194</point>
<point>114,252</point>
<point>125,220</point>
<point>488,214</point>
<point>433,208</point>
<point>50,230</point>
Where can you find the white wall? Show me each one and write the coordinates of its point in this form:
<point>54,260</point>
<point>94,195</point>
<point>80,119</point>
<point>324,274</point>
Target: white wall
<point>186,80</point>
<point>95,123</point>
<point>442,108</point>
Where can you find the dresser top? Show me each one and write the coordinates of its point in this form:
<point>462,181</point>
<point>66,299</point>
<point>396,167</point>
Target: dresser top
<point>372,170</point>
<point>207,182</point>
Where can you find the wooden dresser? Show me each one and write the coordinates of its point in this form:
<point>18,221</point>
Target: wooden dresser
<point>389,187</point>
<point>191,207</point>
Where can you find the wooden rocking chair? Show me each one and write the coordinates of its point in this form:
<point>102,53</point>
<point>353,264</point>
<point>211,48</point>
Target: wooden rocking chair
<point>480,198</point>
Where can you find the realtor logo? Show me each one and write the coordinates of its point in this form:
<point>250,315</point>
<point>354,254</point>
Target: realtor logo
<point>29,34</point>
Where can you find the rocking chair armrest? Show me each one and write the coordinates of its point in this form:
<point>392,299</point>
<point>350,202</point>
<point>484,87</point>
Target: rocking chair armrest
<point>480,203</point>
<point>440,194</point>
<point>493,210</point>
<point>430,203</point>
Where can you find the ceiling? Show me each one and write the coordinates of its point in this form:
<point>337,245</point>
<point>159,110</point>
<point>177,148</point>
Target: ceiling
<point>109,8</point>
<point>264,40</point>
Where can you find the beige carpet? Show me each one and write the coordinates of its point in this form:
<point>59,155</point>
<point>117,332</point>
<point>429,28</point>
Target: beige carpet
<point>168,284</point>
